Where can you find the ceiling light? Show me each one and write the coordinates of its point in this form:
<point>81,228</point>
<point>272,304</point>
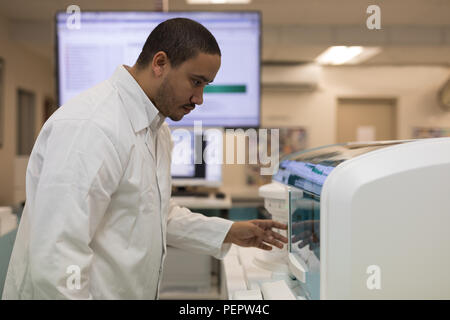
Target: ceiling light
<point>346,55</point>
<point>218,1</point>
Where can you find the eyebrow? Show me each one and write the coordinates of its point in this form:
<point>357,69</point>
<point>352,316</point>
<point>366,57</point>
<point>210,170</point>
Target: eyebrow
<point>202,78</point>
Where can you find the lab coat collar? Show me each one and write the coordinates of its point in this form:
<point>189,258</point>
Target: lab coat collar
<point>140,109</point>
<point>157,122</point>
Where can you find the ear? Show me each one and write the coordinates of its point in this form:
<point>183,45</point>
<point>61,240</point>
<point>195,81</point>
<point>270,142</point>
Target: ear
<point>160,63</point>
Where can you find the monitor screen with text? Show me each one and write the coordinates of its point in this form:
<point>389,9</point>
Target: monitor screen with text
<point>90,51</point>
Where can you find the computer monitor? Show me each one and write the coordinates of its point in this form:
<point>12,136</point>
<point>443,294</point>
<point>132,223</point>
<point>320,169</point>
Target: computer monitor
<point>90,54</point>
<point>197,157</point>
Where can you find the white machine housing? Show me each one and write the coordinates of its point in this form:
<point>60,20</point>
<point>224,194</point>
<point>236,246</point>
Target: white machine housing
<point>388,211</point>
<point>385,224</point>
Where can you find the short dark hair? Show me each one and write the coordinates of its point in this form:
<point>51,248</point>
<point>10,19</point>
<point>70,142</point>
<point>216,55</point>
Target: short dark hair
<point>181,39</point>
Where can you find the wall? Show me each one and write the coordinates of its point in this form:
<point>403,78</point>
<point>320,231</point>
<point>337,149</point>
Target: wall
<point>29,71</point>
<point>414,87</point>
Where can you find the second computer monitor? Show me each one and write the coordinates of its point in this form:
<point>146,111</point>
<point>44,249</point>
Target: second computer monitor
<point>197,157</point>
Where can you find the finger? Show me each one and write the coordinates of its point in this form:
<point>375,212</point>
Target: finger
<point>271,240</point>
<point>275,243</point>
<point>266,224</point>
<point>281,226</point>
<point>278,236</point>
<point>278,225</point>
<point>279,245</point>
<point>264,246</point>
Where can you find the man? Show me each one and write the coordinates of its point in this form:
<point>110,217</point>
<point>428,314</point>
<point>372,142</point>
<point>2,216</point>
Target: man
<point>98,214</point>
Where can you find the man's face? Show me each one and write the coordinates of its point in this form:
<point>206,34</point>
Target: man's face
<point>182,87</point>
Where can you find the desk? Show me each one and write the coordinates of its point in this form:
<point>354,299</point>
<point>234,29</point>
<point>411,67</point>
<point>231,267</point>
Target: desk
<point>211,202</point>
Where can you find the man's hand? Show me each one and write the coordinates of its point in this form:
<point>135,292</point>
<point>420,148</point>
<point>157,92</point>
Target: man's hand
<point>256,233</point>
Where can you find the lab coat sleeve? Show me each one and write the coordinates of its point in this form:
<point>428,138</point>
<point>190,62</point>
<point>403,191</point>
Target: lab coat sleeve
<point>80,171</point>
<point>197,233</point>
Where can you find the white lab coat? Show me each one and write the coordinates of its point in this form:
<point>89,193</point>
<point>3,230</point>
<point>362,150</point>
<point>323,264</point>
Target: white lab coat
<point>98,202</point>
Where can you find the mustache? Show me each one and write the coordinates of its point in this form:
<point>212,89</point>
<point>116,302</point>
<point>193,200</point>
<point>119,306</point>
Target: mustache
<point>191,105</point>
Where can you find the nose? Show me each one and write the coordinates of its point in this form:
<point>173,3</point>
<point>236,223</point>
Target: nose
<point>197,97</point>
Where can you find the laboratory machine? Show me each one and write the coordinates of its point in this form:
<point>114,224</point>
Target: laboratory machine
<point>365,220</point>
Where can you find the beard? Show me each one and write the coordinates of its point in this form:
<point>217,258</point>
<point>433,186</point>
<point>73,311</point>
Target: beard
<point>165,101</point>
<point>164,98</point>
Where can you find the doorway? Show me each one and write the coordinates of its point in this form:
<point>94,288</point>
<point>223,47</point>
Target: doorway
<point>361,119</point>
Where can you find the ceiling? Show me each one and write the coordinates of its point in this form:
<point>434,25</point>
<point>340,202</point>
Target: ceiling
<point>301,12</point>
<point>413,31</point>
